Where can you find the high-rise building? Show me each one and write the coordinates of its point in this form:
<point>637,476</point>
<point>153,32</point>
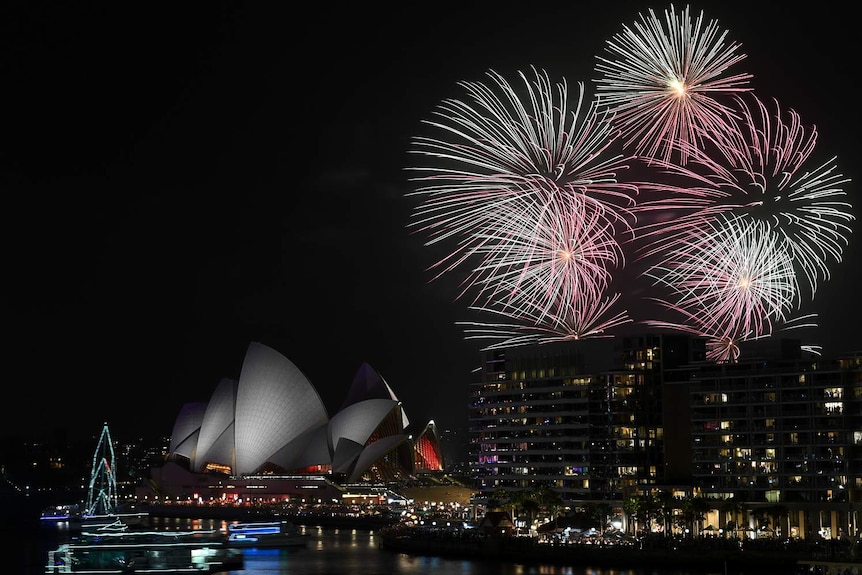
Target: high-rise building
<point>779,429</point>
<point>608,419</point>
<point>583,417</point>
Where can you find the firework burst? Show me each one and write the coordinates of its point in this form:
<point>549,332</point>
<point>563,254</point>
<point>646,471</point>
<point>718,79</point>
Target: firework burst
<point>770,158</point>
<point>541,252</point>
<point>582,317</point>
<point>762,170</point>
<point>662,79</point>
<point>527,191</point>
<point>734,280</point>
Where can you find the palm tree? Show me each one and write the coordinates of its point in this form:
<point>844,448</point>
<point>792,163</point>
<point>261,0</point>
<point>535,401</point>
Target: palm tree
<point>761,517</point>
<point>649,509</point>
<point>497,500</point>
<point>510,502</point>
<point>531,501</point>
<point>735,509</point>
<point>666,502</point>
<point>631,509</point>
<point>548,499</point>
<point>530,507</point>
<point>694,511</point>
<point>542,493</point>
<point>778,512</point>
<point>599,512</point>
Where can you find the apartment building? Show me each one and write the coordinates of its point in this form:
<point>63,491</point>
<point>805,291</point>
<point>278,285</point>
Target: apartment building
<point>584,417</point>
<point>606,419</point>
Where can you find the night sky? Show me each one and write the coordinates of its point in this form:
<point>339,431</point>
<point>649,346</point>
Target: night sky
<point>180,179</point>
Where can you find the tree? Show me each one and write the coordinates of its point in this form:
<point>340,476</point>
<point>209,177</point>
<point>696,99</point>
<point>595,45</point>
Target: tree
<point>778,512</point>
<point>649,510</point>
<point>735,510</point>
<point>530,507</point>
<point>666,502</point>
<point>600,512</point>
<point>694,511</point>
<point>497,500</point>
<point>631,509</point>
<point>548,499</point>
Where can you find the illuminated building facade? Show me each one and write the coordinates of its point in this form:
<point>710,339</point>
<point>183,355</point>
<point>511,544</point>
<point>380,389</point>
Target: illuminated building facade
<point>427,451</point>
<point>271,423</point>
<point>583,417</point>
<point>780,430</point>
<point>604,420</point>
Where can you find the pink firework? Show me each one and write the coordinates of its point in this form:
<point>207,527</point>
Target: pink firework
<point>579,318</point>
<point>662,82</point>
<point>762,170</point>
<point>496,147</point>
<point>540,252</point>
<point>770,158</point>
<point>732,281</point>
<point>526,191</point>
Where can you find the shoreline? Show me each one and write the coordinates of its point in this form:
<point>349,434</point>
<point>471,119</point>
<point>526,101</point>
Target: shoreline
<point>231,513</point>
<point>393,537</point>
<point>525,550</point>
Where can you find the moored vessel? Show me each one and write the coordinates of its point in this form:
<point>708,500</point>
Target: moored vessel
<point>99,552</point>
<point>265,534</point>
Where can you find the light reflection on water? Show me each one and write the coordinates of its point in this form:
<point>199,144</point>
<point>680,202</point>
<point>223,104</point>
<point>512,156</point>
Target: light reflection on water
<point>353,551</point>
<point>335,551</point>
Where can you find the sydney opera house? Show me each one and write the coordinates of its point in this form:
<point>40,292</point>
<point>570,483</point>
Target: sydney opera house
<point>269,436</point>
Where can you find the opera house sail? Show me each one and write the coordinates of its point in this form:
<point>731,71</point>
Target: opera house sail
<point>270,426</point>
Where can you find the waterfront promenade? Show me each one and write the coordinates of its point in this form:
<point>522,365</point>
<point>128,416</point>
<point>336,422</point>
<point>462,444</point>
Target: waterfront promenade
<point>443,536</point>
<point>707,554</point>
<point>390,536</point>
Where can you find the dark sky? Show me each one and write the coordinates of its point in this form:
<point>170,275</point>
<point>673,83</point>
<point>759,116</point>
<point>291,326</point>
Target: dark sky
<point>183,178</point>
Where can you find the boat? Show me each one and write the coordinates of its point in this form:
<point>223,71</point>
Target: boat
<point>102,506</point>
<point>108,551</point>
<point>118,526</point>
<point>265,534</point>
<point>66,512</point>
<point>76,518</point>
<point>129,514</point>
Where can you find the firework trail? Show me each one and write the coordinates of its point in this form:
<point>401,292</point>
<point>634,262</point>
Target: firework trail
<point>583,317</point>
<point>527,191</point>
<point>662,80</point>
<point>733,280</point>
<point>762,170</point>
<point>733,213</point>
<point>541,252</point>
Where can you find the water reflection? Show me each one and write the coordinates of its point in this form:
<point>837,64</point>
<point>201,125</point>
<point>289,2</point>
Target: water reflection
<point>348,551</point>
<point>352,551</point>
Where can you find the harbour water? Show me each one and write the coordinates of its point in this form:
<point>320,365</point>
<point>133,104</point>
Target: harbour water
<point>342,551</point>
<point>357,551</point>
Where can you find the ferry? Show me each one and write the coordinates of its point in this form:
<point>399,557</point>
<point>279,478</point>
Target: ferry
<point>102,506</point>
<point>106,551</point>
<point>63,513</point>
<point>72,514</point>
<point>128,515</point>
<point>265,534</point>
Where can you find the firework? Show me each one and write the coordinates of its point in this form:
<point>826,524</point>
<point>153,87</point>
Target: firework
<point>521,188</point>
<point>574,319</point>
<point>526,190</point>
<point>769,157</point>
<point>762,170</point>
<point>734,279</point>
<point>662,81</point>
<point>540,252</point>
